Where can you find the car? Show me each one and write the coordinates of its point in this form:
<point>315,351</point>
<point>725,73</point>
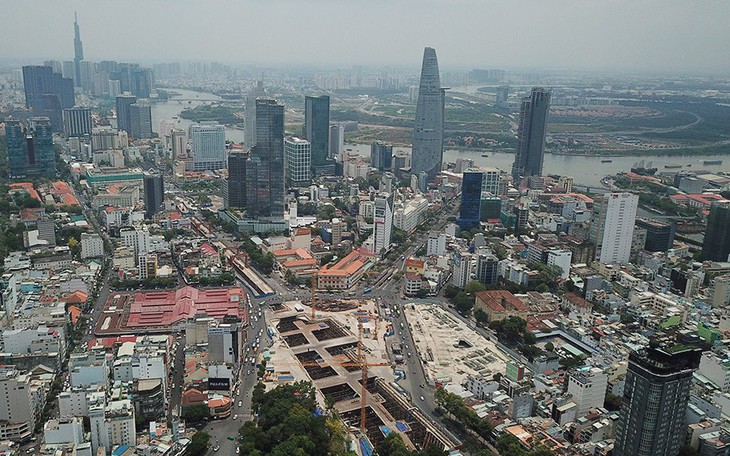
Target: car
<point>235,417</point>
<point>173,386</point>
<point>422,398</point>
<point>238,450</point>
<point>409,354</point>
<point>421,385</point>
<point>216,448</point>
<point>240,403</point>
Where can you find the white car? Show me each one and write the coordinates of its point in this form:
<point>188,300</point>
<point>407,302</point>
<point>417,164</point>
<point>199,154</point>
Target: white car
<point>240,403</point>
<point>235,417</point>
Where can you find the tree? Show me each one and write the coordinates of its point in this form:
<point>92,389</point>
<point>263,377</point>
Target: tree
<point>198,444</point>
<point>612,402</point>
<point>549,347</point>
<point>474,286</point>
<point>481,317</point>
<point>422,293</point>
<point>196,413</point>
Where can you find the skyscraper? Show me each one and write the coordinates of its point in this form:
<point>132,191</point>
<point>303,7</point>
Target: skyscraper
<point>381,156</point>
<point>531,134</point>
<point>208,146</point>
<point>141,81</point>
<point>249,135</point>
<point>234,190</point>
<point>265,169</point>
<point>123,111</point>
<point>154,194</point>
<point>613,222</point>
<point>471,198</point>
<point>656,392</point>
<point>337,141</point>
<point>298,159</point>
<point>78,52</point>
<point>317,132</point>
<point>178,143</point>
<point>716,246</point>
<point>77,121</point>
<point>659,235</point>
<point>428,134</point>
<point>140,120</point>
<point>30,151</point>
<point>383,221</point>
<point>47,93</point>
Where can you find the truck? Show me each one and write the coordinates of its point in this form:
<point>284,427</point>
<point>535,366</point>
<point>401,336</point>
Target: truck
<point>367,290</point>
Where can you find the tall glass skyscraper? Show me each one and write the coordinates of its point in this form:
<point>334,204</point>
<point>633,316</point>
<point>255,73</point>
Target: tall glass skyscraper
<point>249,121</point>
<point>298,159</point>
<point>317,132</point>
<point>234,190</point>
<point>531,134</point>
<point>47,93</point>
<point>716,246</point>
<point>30,151</point>
<point>78,52</point>
<point>471,199</point>
<point>124,120</point>
<point>428,134</point>
<point>656,393</point>
<point>265,169</point>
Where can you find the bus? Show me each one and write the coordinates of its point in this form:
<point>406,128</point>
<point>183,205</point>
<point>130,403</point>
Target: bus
<point>367,290</point>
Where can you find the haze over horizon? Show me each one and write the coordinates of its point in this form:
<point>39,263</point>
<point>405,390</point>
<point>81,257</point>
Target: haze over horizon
<point>659,36</point>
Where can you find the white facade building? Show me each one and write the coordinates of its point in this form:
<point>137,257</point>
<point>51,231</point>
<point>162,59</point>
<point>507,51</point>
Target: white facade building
<point>16,405</point>
<point>562,259</point>
<point>136,238</point>
<point>716,369</point>
<point>64,430</point>
<point>588,388</point>
<point>490,181</point>
<point>462,269</point>
<point>383,221</point>
<point>92,245</point>
<point>436,244</point>
<point>614,215</point>
<point>408,218</point>
<point>208,146</point>
<point>297,161</point>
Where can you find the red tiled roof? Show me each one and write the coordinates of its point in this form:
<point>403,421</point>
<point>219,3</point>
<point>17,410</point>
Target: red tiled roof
<point>162,308</point>
<point>28,187</point>
<point>497,299</point>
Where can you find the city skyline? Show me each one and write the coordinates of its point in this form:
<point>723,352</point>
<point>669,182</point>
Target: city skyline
<point>652,36</point>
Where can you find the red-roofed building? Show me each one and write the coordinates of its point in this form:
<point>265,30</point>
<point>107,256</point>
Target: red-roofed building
<point>164,308</point>
<point>27,187</point>
<point>500,304</point>
<point>346,272</point>
<point>414,266</point>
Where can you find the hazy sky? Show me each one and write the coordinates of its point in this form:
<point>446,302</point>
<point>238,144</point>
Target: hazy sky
<point>645,35</point>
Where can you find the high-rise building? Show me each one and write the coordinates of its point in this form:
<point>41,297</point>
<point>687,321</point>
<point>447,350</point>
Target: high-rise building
<point>383,221</point>
<point>30,151</point>
<point>428,134</point>
<point>47,93</point>
<point>656,393</point>
<point>337,142</point>
<point>249,135</point>
<point>179,143</point>
<point>154,194</point>
<point>298,160</point>
<point>16,404</point>
<point>317,132</point>
<point>462,269</point>
<point>141,82</point>
<point>436,244</point>
<point>721,292</point>
<point>234,190</point>
<point>265,169</point>
<point>659,235</point>
<point>77,121</point>
<point>531,134</point>
<point>613,222</point>
<point>716,246</point>
<point>78,52</point>
<point>487,266</point>
<point>381,156</point>
<point>124,112</point>
<point>208,146</point>
<point>140,120</point>
<point>587,385</point>
<point>471,197</point>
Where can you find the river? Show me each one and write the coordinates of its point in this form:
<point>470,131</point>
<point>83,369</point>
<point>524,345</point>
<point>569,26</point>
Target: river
<point>585,170</point>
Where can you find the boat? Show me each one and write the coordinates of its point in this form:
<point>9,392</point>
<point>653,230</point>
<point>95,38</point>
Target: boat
<point>712,162</point>
<point>647,170</point>
<point>672,166</point>
<point>485,155</point>
<point>606,161</point>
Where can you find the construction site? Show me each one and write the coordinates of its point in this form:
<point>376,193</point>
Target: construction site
<point>449,348</point>
<point>341,348</point>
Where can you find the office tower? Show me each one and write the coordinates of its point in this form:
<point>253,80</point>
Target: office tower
<point>490,183</point>
<point>154,194</point>
<point>383,221</point>
<point>298,159</point>
<point>87,70</point>
<point>501,96</point>
<point>436,244</point>
<point>716,246</point>
<point>17,404</point>
<point>124,112</point>
<point>531,134</point>
<point>77,121</point>
<point>487,266</point>
<point>587,385</point>
<point>471,197</point>
<point>249,134</point>
<point>265,169</point>
<point>428,134</point>
<point>656,393</point>
<point>47,93</point>
<point>462,269</point>
<point>30,151</point>
<point>208,146</point>
<point>140,120</point>
<point>178,143</point>
<point>337,142</point>
<point>141,82</point>
<point>78,52</point>
<point>659,235</point>
<point>381,156</point>
<point>613,222</point>
<point>317,132</point>
<point>234,190</point>
<point>490,208</point>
